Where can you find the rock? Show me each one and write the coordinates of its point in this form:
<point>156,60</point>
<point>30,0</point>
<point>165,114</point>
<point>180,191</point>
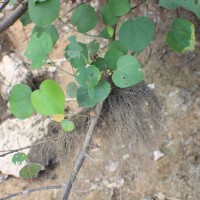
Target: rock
<point>158,155</point>
<point>16,134</point>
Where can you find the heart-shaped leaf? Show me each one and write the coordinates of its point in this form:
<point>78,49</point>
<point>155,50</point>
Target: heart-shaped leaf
<point>49,99</point>
<point>20,101</point>
<point>18,158</point>
<point>181,38</point>
<point>38,49</point>
<point>43,13</point>
<point>119,7</point>
<point>128,72</point>
<point>84,18</point>
<point>67,125</point>
<point>31,170</point>
<point>136,34</point>
<point>101,91</point>
<point>83,98</point>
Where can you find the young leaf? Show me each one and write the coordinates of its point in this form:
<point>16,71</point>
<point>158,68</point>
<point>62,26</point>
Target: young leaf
<point>58,117</point>
<point>137,34</point>
<point>128,72</point>
<point>51,30</point>
<point>25,19</point>
<point>84,18</point>
<point>82,60</point>
<point>20,101</point>
<point>88,76</point>
<point>169,4</point>
<point>116,44</point>
<point>71,89</point>
<point>67,125</point>
<point>107,32</point>
<point>119,7</point>
<point>100,63</point>
<point>107,16</point>
<point>93,47</point>
<point>101,91</point>
<point>111,57</point>
<point>181,38</point>
<point>18,158</point>
<point>43,13</point>
<point>38,49</point>
<point>31,170</point>
<point>83,98</point>
<point>49,99</point>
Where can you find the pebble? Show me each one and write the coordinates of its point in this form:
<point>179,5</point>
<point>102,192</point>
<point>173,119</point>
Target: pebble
<point>158,155</point>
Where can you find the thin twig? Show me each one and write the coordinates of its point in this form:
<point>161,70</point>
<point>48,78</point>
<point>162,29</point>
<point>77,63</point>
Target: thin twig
<point>14,16</point>
<point>83,153</point>
<point>134,7</point>
<point>25,192</point>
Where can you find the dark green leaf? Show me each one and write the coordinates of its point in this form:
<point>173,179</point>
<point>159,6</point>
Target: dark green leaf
<point>128,72</point>
<point>107,16</point>
<point>101,91</point>
<point>18,158</point>
<point>111,57</point>
<point>25,19</point>
<point>116,44</point>
<point>43,13</point>
<point>67,125</point>
<point>169,4</point>
<point>119,7</point>
<point>181,38</point>
<point>88,76</point>
<point>84,18</point>
<point>38,49</point>
<point>49,99</point>
<point>71,89</point>
<point>31,170</point>
<point>20,101</point>
<point>84,100</point>
<point>137,34</point>
<point>93,47</point>
<point>107,32</point>
<point>100,63</point>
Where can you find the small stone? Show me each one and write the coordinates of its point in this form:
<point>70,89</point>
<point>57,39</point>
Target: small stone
<point>161,196</point>
<point>158,155</point>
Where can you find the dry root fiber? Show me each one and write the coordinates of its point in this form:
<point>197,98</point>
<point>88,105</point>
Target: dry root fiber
<point>134,112</point>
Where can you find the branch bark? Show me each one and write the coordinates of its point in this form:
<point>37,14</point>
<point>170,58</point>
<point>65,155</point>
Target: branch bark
<point>83,153</point>
<point>25,192</point>
<point>13,17</point>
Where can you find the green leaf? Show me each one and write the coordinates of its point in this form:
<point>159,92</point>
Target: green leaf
<point>192,5</point>
<point>116,44</point>
<point>31,170</point>
<point>43,13</point>
<point>169,4</point>
<point>20,101</point>
<point>119,7</point>
<point>83,98</point>
<point>137,34</point>
<point>88,76</point>
<point>82,60</point>
<point>111,57</point>
<point>84,18</point>
<point>51,30</point>
<point>38,49</point>
<point>49,99</point>
<point>67,125</point>
<point>181,38</point>
<point>100,63</point>
<point>128,72</point>
<point>71,89</point>
<point>93,47</point>
<point>107,16</point>
<point>18,158</point>
<point>107,32</point>
<point>101,91</point>
<point>25,19</point>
